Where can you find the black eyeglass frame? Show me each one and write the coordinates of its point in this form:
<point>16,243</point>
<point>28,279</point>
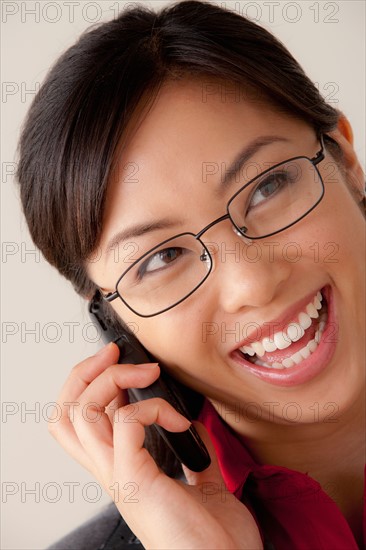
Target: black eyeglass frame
<point>206,256</point>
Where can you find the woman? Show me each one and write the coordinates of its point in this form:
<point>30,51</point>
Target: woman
<point>183,165</point>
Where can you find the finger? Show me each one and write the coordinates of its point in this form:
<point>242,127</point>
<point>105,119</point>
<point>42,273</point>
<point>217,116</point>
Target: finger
<point>129,436</point>
<point>61,427</point>
<point>108,385</point>
<point>86,371</point>
<point>65,435</point>
<point>91,423</point>
<point>120,401</point>
<point>158,496</point>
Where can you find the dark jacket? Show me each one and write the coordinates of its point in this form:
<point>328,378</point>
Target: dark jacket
<point>106,531</point>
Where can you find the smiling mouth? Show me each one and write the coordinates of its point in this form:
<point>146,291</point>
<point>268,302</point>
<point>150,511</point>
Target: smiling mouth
<point>297,342</point>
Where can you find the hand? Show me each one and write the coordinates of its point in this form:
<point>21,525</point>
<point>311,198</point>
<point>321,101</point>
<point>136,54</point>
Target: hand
<point>106,434</point>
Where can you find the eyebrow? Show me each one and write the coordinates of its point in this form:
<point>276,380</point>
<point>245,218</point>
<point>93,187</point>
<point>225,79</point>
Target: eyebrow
<point>243,156</point>
<point>234,168</point>
<point>137,231</point>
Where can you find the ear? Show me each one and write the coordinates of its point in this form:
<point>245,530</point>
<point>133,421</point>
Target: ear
<point>343,135</point>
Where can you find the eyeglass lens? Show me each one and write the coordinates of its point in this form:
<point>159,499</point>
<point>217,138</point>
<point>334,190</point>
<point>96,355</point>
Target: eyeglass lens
<point>171,271</point>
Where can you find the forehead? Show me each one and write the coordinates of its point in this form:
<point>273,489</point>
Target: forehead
<point>191,124</point>
<point>184,111</point>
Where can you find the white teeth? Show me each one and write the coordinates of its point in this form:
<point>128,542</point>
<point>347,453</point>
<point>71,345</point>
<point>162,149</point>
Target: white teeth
<point>258,349</point>
<point>268,344</point>
<point>305,352</point>
<point>297,357</point>
<point>312,345</point>
<point>287,363</point>
<point>295,331</point>
<point>312,311</point>
<point>262,363</point>
<point>304,320</point>
<point>281,340</point>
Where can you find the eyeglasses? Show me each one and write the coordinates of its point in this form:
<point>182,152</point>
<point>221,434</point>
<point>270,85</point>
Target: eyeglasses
<point>271,202</point>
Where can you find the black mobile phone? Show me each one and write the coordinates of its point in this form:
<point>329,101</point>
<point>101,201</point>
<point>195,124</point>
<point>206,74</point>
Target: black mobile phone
<point>187,446</point>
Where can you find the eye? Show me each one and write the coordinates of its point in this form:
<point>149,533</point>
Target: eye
<point>272,184</point>
<point>160,260</point>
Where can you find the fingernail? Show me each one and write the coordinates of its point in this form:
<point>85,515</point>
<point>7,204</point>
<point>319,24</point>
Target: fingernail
<point>147,365</point>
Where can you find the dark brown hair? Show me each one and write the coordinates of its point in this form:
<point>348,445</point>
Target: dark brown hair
<point>80,115</point>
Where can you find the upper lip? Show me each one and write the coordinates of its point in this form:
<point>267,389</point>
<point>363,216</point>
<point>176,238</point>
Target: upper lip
<point>269,328</point>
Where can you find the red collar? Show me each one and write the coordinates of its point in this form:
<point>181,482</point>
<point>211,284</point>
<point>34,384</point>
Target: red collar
<point>291,509</point>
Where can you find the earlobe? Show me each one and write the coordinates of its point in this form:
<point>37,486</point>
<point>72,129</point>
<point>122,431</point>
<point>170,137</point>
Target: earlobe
<point>345,128</point>
<point>343,135</point>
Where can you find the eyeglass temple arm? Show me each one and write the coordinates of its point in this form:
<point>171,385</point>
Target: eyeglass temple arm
<point>110,296</point>
<point>320,155</point>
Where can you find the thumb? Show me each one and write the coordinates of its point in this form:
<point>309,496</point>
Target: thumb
<point>212,474</point>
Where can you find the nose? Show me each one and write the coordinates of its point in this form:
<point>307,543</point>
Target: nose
<point>247,274</point>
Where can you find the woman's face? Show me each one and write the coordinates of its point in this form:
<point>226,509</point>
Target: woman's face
<point>172,171</point>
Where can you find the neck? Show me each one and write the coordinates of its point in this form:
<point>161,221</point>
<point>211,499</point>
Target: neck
<point>331,452</point>
<point>334,442</point>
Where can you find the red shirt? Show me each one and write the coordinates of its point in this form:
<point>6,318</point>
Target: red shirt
<point>291,509</point>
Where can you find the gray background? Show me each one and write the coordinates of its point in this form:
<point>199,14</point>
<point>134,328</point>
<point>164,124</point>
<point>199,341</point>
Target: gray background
<point>328,40</point>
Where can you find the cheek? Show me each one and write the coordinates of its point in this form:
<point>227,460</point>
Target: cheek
<point>343,226</point>
<point>334,233</point>
<point>174,334</point>
<point>175,337</point>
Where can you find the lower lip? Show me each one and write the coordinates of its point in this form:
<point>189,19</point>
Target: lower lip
<point>309,368</point>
